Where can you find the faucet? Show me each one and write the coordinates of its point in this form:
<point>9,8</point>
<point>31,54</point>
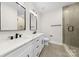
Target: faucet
<point>16,35</point>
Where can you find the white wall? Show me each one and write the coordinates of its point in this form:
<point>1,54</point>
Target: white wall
<point>53,17</point>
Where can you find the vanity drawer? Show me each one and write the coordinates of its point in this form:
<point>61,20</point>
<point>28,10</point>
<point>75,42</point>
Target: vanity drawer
<point>37,41</point>
<point>37,50</point>
<point>27,52</point>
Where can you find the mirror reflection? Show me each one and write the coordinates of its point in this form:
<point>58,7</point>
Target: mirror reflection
<point>13,16</point>
<point>33,22</point>
<point>20,17</point>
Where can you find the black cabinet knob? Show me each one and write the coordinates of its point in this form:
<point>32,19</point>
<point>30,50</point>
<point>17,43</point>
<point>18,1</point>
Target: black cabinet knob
<point>19,35</point>
<point>28,55</point>
<point>11,37</point>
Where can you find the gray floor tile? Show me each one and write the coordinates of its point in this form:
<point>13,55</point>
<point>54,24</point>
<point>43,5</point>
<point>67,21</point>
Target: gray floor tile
<point>53,50</point>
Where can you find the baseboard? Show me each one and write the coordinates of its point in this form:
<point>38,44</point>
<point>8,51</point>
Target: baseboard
<point>69,51</point>
<point>55,43</point>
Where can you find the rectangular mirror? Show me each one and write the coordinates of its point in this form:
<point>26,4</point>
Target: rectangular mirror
<point>21,16</point>
<point>13,16</point>
<point>33,22</point>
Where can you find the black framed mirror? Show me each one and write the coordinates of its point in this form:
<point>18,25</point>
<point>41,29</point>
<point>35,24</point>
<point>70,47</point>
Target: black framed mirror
<point>33,22</point>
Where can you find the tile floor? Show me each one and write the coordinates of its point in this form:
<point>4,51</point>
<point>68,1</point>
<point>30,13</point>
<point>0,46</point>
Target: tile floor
<point>53,50</point>
<point>75,50</point>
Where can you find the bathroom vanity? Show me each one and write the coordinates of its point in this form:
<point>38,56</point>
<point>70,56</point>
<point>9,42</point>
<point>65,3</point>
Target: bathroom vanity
<point>13,17</point>
<point>27,46</point>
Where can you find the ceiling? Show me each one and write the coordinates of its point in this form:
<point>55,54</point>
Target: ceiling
<point>47,6</point>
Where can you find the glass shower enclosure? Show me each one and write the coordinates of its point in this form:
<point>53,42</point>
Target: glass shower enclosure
<point>71,27</point>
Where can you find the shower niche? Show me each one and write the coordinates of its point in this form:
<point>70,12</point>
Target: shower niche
<point>13,16</point>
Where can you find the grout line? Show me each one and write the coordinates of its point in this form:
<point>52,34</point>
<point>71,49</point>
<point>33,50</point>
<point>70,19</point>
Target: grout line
<point>69,51</point>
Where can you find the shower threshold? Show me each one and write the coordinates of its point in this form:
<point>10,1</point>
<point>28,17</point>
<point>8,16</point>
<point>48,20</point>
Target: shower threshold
<point>73,51</point>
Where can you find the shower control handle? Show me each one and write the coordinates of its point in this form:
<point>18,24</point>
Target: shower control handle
<point>70,28</point>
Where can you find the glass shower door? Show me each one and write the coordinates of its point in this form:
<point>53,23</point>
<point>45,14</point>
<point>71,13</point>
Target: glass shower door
<point>71,26</point>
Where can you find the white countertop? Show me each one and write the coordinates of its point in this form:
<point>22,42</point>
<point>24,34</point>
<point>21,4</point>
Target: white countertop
<point>9,45</point>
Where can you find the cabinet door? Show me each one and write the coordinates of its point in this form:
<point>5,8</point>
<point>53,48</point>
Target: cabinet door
<point>36,50</point>
<point>27,52</point>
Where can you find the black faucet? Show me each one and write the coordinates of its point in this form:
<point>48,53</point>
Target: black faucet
<point>34,32</point>
<point>16,35</point>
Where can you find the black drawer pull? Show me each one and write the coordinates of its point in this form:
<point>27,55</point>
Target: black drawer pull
<point>37,40</point>
<point>37,46</point>
<point>28,55</point>
<point>70,28</point>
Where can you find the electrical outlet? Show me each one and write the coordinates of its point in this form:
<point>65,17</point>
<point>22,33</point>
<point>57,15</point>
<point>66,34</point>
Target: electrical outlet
<point>51,35</point>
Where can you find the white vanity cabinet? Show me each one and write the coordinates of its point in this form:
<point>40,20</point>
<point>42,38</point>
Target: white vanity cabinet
<point>38,46</point>
<point>31,49</point>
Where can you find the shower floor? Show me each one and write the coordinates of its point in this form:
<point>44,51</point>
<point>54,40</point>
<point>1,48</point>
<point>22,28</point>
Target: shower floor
<point>74,50</point>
